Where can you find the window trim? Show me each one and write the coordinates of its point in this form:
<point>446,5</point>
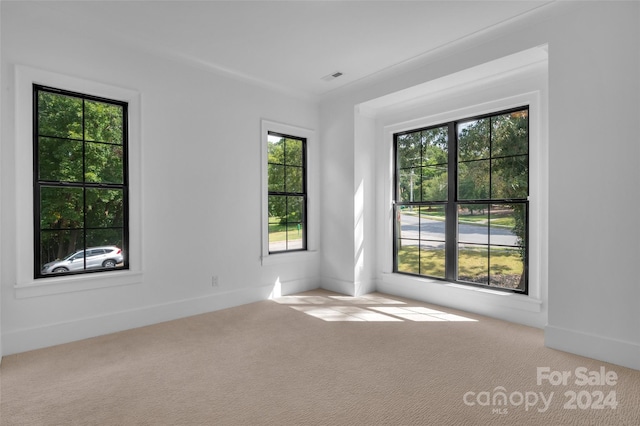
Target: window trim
<point>25,283</point>
<point>312,192</point>
<point>37,88</point>
<point>452,201</point>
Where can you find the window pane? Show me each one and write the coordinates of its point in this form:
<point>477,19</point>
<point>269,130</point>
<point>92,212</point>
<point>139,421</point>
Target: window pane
<point>56,244</point>
<point>506,268</point>
<point>295,236</point>
<point>294,182</point>
<point>59,160</point>
<point>473,180</point>
<point>408,223</point>
<point>276,177</point>
<point>103,122</point>
<point>105,237</point>
<point>432,223</point>
<point>286,222</point>
<point>510,177</point>
<point>104,163</point>
<point>293,152</point>
<point>277,209</point>
<point>474,140</point>
<point>275,149</point>
<point>435,146</point>
<point>473,263</point>
<point>473,221</point>
<point>409,149</point>
<point>59,115</point>
<point>105,208</point>
<point>510,135</point>
<point>409,190</point>
<point>61,208</point>
<point>295,209</point>
<point>434,183</point>
<point>408,257</point>
<point>507,224</point>
<point>432,259</point>
<point>277,232</point>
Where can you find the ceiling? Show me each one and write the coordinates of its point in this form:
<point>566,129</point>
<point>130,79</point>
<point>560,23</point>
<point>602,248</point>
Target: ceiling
<point>289,45</point>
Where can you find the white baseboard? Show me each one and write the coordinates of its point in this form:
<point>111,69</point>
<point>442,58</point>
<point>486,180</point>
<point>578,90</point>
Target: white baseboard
<point>626,354</point>
<point>364,287</point>
<point>338,286</point>
<point>82,328</point>
<point>293,286</point>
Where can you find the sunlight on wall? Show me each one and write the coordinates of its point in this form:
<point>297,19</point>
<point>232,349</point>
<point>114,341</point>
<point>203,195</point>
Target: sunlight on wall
<point>358,206</point>
<point>277,289</point>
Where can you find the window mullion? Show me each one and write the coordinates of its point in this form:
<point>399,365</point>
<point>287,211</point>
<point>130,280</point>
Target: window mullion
<point>84,183</point>
<point>451,210</point>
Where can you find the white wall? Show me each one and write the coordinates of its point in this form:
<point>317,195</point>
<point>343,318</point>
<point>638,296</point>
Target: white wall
<point>200,186</point>
<point>594,287</point>
<point>594,106</point>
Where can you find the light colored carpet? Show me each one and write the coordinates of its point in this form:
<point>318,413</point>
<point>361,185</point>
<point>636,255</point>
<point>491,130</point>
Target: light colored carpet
<point>313,359</point>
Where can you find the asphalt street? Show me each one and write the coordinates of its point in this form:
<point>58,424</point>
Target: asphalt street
<point>414,226</point>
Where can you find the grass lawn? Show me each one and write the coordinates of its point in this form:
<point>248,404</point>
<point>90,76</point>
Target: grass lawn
<point>278,232</point>
<point>506,264</point>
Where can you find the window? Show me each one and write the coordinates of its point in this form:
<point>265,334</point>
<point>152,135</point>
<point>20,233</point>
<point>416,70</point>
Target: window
<point>80,183</point>
<point>287,192</point>
<point>461,200</point>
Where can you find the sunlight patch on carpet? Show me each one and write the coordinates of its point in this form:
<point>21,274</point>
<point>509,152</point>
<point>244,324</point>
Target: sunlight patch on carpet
<point>345,313</point>
<point>349,308</point>
<point>420,313</point>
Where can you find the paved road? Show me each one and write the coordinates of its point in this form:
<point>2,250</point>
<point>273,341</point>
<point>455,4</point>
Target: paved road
<point>467,233</point>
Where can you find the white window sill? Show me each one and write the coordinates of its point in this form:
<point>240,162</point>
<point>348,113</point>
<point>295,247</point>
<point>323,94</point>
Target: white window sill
<point>499,298</point>
<point>69,284</point>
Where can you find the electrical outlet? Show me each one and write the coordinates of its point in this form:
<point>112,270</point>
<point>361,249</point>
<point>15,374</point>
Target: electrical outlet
<point>214,281</point>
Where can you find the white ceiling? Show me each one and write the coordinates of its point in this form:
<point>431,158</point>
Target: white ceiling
<point>289,45</point>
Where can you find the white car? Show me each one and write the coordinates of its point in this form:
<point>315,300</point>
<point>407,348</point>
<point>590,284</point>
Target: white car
<point>97,257</point>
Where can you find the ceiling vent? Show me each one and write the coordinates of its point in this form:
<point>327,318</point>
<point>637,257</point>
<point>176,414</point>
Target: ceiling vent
<point>332,76</point>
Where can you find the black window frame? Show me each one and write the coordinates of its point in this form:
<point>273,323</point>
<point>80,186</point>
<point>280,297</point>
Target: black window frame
<point>303,194</point>
<point>38,183</point>
<point>453,201</point>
